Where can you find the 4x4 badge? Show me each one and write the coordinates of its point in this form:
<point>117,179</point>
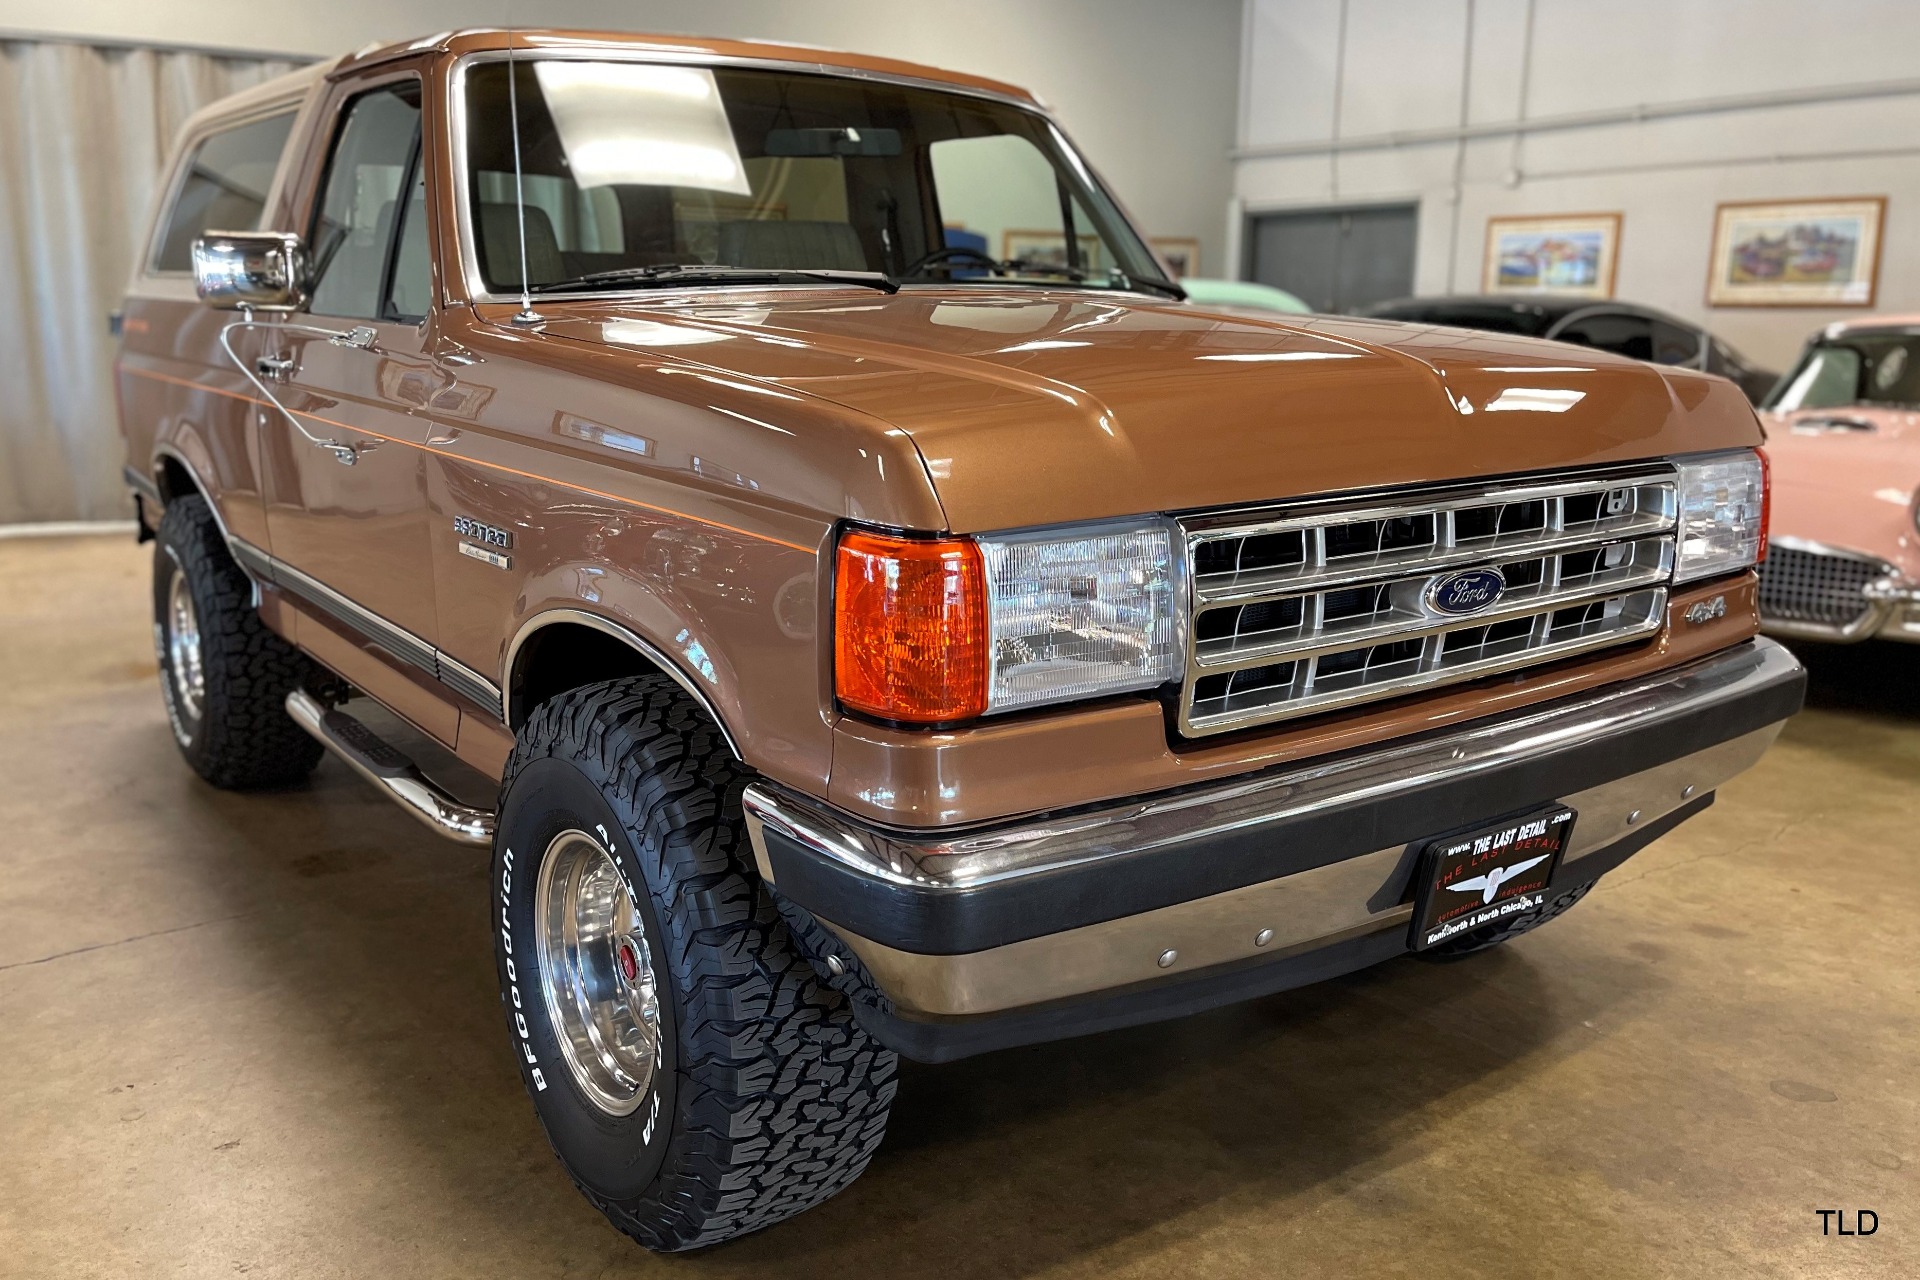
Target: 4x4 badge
<point>1706,610</point>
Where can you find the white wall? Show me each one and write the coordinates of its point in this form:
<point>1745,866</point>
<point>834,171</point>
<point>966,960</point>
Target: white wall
<point>1146,88</point>
<point>1430,64</point>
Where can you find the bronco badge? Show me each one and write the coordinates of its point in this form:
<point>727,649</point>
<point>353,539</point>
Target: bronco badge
<point>485,534</point>
<point>1465,592</point>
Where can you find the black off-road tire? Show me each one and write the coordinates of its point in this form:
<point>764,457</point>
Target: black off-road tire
<point>239,735</point>
<point>1505,931</point>
<point>767,1097</point>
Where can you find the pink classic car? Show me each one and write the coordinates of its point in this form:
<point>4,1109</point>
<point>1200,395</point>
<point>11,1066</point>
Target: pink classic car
<point>1843,432</point>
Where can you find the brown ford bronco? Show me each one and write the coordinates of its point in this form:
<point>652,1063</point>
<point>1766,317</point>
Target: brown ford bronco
<point>897,622</point>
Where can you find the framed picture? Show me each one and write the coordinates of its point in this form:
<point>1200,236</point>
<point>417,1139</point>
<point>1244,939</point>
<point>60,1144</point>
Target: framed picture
<point>1569,253</point>
<point>1801,253</point>
<point>1181,255</point>
<point>1050,247</point>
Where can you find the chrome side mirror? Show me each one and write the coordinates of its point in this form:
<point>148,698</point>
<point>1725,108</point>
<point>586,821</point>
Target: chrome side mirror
<point>250,270</point>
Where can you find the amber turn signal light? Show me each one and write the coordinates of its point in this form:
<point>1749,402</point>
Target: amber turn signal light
<point>1766,504</point>
<point>910,627</point>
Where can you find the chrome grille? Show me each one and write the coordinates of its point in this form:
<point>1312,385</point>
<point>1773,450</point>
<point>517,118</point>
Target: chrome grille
<point>1826,588</point>
<point>1302,609</point>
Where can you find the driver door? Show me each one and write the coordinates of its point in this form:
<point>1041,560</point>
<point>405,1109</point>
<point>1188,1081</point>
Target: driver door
<point>348,512</point>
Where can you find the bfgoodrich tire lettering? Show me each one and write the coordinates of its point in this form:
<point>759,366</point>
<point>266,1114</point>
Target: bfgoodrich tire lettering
<point>766,1097</point>
<point>224,675</point>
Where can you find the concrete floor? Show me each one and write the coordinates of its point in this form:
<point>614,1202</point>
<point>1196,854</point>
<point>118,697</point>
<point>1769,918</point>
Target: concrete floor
<point>259,1034</point>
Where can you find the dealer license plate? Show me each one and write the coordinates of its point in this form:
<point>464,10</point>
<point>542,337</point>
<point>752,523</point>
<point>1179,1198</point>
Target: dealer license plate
<point>1479,878</point>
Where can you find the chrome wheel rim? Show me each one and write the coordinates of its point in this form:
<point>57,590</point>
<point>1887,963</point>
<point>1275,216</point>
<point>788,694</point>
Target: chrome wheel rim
<point>185,670</point>
<point>596,973</point>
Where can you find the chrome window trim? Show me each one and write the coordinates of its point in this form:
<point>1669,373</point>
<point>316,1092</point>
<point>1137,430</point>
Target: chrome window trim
<point>469,273</point>
<point>293,105</point>
<point>627,636</point>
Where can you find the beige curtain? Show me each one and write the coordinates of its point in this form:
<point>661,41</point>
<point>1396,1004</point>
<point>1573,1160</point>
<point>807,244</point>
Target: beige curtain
<point>84,131</point>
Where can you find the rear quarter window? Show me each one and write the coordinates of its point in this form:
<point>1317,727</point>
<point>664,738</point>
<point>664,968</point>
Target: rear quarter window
<point>223,189</point>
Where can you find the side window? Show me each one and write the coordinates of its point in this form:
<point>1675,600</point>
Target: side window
<point>410,293</point>
<point>998,193</point>
<point>225,188</point>
<point>1675,344</point>
<point>1615,331</point>
<point>369,181</point>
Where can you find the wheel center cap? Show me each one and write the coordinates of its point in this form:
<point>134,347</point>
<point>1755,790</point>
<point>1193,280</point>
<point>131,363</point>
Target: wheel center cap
<point>629,961</point>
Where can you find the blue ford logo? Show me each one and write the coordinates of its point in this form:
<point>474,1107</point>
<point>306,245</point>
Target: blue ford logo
<point>1468,591</point>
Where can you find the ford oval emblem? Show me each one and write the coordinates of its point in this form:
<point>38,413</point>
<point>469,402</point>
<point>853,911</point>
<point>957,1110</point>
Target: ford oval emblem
<point>1465,592</point>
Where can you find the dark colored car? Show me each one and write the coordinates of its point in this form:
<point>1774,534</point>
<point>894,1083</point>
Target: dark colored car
<point>1620,327</point>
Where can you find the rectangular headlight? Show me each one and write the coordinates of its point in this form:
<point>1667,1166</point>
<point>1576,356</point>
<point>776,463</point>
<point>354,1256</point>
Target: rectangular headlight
<point>1723,514</point>
<point>1080,613</point>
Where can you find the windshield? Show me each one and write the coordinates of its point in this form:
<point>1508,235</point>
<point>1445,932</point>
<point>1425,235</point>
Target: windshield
<point>638,174</point>
<point>1867,368</point>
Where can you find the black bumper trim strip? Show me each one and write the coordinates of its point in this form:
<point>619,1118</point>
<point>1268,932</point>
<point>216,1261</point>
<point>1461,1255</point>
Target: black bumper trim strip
<point>948,1039</point>
<point>931,921</point>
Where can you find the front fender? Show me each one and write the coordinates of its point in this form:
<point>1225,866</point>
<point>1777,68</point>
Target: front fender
<point>737,624</point>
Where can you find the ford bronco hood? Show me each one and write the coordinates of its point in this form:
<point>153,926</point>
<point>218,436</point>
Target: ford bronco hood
<point>1034,407</point>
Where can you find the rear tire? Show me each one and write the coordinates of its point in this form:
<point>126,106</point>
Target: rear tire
<point>1507,930</point>
<point>696,1077</point>
<point>224,675</point>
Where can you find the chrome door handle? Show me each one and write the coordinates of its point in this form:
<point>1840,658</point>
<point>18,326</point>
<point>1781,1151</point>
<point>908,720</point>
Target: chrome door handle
<point>275,368</point>
<point>347,454</point>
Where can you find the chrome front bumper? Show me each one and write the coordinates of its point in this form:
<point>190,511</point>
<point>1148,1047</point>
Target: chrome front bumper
<point>965,924</point>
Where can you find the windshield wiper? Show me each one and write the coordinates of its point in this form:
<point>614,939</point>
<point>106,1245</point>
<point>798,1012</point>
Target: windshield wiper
<point>1036,267</point>
<point>669,274</point>
<point>1167,287</point>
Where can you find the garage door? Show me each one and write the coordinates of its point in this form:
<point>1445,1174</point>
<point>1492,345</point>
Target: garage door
<point>1337,259</point>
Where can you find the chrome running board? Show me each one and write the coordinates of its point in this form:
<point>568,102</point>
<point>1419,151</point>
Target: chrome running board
<point>380,763</point>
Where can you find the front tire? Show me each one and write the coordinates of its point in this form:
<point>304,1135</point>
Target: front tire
<point>695,1076</point>
<point>224,675</point>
